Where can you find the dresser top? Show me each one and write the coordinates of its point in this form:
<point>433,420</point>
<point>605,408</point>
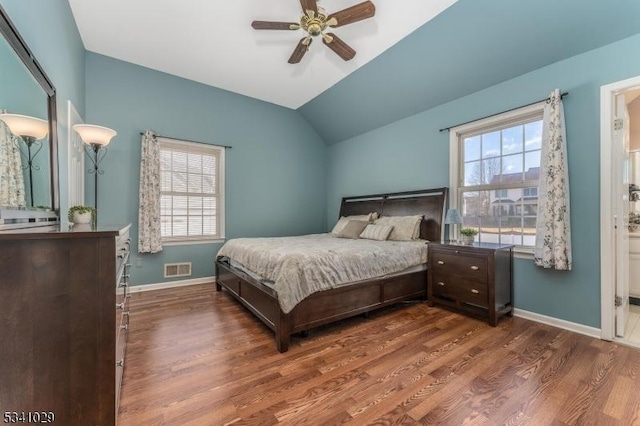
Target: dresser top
<point>64,230</point>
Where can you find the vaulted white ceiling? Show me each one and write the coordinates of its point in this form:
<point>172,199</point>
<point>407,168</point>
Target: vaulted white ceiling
<point>212,42</point>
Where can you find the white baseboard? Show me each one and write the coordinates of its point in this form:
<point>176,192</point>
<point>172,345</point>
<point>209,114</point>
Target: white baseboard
<point>560,323</point>
<point>171,284</point>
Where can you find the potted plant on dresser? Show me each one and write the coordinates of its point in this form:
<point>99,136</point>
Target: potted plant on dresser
<point>468,235</point>
<point>82,215</point>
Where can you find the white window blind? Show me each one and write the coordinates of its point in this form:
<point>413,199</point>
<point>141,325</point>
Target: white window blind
<point>192,191</point>
<point>497,168</point>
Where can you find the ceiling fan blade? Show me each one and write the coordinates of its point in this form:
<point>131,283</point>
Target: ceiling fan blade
<point>341,48</point>
<point>309,5</point>
<point>268,25</point>
<point>300,50</point>
<point>353,14</point>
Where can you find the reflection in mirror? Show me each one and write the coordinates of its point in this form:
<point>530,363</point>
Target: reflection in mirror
<point>25,175</point>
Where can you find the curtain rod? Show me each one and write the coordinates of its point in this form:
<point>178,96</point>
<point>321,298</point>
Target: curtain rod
<point>187,140</point>
<point>562,95</point>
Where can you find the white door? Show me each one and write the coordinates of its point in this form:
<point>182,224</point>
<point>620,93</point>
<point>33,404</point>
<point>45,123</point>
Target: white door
<point>621,171</point>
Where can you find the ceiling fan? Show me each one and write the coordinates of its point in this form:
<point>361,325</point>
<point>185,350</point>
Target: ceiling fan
<point>315,21</point>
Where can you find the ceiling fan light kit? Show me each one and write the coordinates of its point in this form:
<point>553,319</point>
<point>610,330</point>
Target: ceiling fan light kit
<point>315,22</point>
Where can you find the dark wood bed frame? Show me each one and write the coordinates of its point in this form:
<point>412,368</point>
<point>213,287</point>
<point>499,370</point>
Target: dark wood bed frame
<point>333,305</point>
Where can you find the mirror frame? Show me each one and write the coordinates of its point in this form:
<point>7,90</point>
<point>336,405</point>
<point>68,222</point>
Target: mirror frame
<point>11,34</point>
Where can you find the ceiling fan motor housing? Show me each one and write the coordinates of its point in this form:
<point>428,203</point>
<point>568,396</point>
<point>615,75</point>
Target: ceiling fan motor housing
<point>314,25</point>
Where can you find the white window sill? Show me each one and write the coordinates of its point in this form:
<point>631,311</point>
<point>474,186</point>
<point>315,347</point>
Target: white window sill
<point>192,242</point>
<point>523,253</point>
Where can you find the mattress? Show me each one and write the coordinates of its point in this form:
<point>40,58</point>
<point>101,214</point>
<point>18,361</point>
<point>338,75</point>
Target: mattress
<point>297,267</point>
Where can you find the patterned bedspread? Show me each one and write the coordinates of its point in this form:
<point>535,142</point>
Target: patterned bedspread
<point>300,266</point>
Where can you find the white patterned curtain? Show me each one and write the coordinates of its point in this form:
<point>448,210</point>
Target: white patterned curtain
<point>12,192</point>
<point>149,231</point>
<point>553,233</point>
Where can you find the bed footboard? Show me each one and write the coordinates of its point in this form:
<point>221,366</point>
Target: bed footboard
<point>320,308</point>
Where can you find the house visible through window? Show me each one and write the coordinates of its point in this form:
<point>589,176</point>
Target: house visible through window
<point>192,191</point>
<point>496,164</point>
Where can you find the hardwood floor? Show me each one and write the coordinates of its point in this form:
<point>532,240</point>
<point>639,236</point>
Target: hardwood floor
<point>196,357</point>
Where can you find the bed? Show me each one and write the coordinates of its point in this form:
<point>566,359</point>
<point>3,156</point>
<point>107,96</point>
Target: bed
<point>343,301</point>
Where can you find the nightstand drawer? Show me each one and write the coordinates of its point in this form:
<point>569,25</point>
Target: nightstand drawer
<point>472,268</point>
<point>460,289</point>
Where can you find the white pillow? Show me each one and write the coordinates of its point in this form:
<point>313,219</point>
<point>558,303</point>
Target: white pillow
<point>342,222</point>
<point>405,228</point>
<point>376,232</point>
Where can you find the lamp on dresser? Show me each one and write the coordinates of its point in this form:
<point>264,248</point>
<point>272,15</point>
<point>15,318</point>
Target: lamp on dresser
<point>96,138</point>
<point>453,218</point>
<point>30,130</point>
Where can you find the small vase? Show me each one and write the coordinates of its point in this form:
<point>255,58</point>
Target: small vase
<point>82,218</point>
<point>81,227</point>
<point>468,239</point>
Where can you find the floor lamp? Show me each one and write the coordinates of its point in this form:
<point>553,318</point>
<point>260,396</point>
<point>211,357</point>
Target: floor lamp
<point>30,130</point>
<point>96,138</point>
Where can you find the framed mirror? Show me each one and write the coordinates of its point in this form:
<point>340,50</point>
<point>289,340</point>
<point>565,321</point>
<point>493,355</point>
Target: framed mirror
<point>28,158</point>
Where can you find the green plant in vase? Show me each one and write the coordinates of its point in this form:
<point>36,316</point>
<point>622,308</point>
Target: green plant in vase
<point>82,215</point>
<point>468,235</point>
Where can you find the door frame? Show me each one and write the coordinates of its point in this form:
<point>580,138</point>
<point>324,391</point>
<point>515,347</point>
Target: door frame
<point>607,191</point>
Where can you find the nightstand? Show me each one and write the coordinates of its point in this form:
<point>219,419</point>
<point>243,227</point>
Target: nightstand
<point>476,279</point>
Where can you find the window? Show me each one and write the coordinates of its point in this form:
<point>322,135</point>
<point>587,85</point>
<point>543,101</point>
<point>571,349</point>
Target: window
<point>192,191</point>
<point>495,171</point>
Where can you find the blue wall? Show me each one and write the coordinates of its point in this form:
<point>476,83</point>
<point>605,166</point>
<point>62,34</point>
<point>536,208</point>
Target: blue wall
<point>49,29</point>
<point>412,154</point>
<point>279,167</point>
<point>275,173</point>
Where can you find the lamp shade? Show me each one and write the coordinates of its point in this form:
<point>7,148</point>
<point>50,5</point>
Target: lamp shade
<point>453,217</point>
<point>25,126</point>
<point>94,135</point>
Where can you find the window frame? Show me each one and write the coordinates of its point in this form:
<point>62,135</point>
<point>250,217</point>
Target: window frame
<point>220,195</point>
<point>456,161</point>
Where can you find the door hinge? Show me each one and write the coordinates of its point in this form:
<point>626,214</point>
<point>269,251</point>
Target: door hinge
<point>618,124</point>
<point>618,301</point>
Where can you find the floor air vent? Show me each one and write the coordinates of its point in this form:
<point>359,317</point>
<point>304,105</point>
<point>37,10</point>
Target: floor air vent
<point>177,269</point>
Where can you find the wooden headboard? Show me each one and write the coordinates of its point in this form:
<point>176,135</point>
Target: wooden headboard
<point>427,202</point>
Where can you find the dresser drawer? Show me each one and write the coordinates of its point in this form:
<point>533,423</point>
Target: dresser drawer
<point>468,267</point>
<point>460,289</point>
<point>121,343</point>
<point>123,249</point>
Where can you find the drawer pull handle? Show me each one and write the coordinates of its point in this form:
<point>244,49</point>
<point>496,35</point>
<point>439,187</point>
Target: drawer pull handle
<point>440,262</point>
<point>120,305</point>
<point>121,255</point>
<point>124,327</point>
<point>474,268</point>
<point>125,313</point>
<point>120,362</point>
<point>440,283</point>
<point>474,291</point>
<point>128,296</point>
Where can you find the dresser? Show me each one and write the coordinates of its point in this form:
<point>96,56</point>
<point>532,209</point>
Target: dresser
<point>64,321</point>
<point>476,279</point>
